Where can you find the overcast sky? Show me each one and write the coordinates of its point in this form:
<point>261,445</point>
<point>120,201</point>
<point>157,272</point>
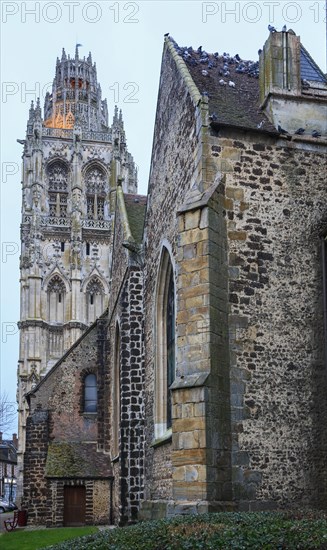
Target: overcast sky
<point>126,41</point>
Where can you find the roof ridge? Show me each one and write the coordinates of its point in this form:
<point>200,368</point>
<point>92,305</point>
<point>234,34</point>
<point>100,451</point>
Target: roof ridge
<point>125,221</point>
<point>183,70</point>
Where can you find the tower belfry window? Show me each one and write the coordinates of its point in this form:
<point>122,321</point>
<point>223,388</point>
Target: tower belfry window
<point>95,191</point>
<point>58,189</point>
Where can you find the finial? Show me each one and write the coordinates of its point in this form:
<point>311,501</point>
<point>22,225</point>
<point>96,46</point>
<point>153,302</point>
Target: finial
<point>63,55</point>
<point>76,50</point>
<point>89,59</point>
<point>38,108</point>
<point>120,116</point>
<point>31,111</point>
<point>115,117</point>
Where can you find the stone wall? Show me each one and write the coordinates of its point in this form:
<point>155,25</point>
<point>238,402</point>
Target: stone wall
<point>241,214</point>
<point>58,423</point>
<point>62,393</point>
<point>126,313</point>
<point>175,168</point>
<point>35,495</point>
<point>275,200</point>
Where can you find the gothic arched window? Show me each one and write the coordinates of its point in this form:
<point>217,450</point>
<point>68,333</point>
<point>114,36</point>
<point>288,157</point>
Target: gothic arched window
<point>95,179</point>
<point>90,393</point>
<point>58,189</point>
<point>94,299</point>
<point>56,300</point>
<point>165,345</point>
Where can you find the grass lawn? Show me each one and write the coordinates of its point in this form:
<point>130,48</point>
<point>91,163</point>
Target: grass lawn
<point>32,540</point>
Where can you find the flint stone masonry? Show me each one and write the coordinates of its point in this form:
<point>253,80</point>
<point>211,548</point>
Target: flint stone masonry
<point>276,350</point>
<point>126,316</point>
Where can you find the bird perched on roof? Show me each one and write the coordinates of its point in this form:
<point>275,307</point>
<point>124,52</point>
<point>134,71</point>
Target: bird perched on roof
<point>259,52</point>
<point>305,84</point>
<point>299,132</point>
<point>271,28</point>
<point>281,130</point>
<point>315,134</point>
<point>205,73</point>
<point>231,84</point>
<point>237,57</point>
<point>199,50</point>
<point>167,34</point>
<point>284,29</point>
<point>222,82</point>
<point>260,125</point>
<point>213,117</point>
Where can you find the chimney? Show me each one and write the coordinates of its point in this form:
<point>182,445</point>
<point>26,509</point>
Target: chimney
<point>287,98</point>
<point>279,65</point>
<point>15,440</point>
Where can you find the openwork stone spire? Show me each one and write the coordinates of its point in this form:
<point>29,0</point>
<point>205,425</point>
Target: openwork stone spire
<point>76,96</point>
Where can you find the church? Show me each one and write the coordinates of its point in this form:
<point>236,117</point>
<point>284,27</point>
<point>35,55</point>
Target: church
<point>173,346</point>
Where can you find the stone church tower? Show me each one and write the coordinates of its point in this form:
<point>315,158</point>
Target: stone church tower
<point>71,161</point>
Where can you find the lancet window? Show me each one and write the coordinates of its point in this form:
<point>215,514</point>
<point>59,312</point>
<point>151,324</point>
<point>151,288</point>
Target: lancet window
<point>94,299</point>
<point>56,300</point>
<point>165,346</point>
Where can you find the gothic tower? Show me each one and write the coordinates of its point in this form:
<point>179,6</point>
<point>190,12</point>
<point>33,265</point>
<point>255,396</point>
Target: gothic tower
<point>71,162</point>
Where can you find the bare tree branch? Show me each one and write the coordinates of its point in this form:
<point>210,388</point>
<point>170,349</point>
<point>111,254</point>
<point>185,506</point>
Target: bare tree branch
<point>8,414</point>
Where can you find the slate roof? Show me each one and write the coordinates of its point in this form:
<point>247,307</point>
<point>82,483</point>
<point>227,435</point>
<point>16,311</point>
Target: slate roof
<point>8,452</point>
<point>309,68</point>
<point>135,208</point>
<point>76,460</point>
<point>236,105</point>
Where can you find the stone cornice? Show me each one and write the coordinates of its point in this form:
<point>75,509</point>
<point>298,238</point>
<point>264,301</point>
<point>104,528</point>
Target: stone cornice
<point>54,328</point>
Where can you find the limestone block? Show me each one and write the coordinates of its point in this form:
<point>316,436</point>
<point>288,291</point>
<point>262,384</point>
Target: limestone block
<point>192,219</point>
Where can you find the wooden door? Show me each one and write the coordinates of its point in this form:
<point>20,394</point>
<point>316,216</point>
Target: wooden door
<point>74,506</point>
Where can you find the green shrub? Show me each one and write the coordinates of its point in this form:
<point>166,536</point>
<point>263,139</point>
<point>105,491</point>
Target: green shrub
<point>226,531</point>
